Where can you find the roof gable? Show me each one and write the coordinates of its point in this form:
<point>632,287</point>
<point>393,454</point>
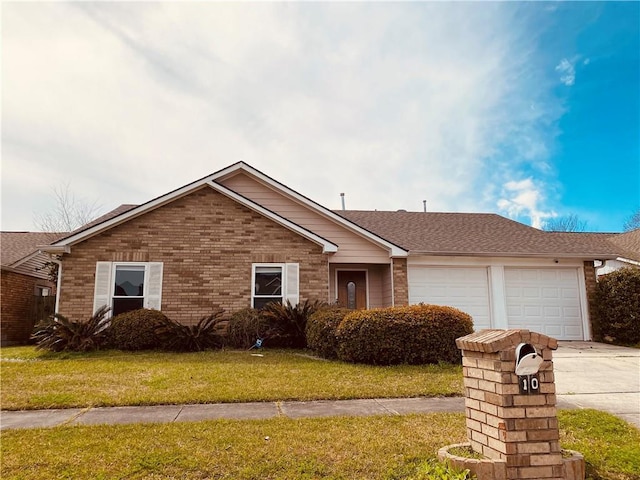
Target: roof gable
<point>129,212</point>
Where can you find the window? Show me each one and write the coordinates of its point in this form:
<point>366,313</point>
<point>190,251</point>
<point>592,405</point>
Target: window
<point>126,286</point>
<point>274,282</point>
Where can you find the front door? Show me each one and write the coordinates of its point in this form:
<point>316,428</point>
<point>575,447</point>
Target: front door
<point>352,289</point>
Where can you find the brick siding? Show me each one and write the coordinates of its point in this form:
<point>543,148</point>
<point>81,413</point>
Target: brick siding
<point>590,279</point>
<point>400,282</point>
<point>207,243</point>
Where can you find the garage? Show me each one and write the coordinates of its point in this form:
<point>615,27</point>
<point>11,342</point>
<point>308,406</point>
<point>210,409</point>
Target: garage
<point>545,300</point>
<point>465,288</point>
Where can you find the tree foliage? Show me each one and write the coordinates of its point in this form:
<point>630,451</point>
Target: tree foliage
<point>617,317</point>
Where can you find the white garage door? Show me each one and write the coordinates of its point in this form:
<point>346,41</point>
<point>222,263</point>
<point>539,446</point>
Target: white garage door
<point>464,288</point>
<point>545,300</point>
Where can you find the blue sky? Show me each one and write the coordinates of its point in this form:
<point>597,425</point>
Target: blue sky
<point>526,109</point>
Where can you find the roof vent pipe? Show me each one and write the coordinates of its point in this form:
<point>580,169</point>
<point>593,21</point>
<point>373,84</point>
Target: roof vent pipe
<point>424,205</point>
<point>342,197</point>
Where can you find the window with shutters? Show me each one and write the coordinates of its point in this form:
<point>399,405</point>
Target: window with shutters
<point>125,286</point>
<point>128,288</point>
<point>274,282</point>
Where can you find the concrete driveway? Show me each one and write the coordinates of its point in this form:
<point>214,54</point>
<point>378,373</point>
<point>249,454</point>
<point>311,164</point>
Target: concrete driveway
<point>600,376</point>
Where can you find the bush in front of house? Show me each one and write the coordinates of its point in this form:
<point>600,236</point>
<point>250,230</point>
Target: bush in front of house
<point>245,327</point>
<point>207,334</point>
<point>618,307</point>
<point>137,330</point>
<point>58,333</point>
<point>288,323</point>
<point>416,334</point>
<point>321,331</point>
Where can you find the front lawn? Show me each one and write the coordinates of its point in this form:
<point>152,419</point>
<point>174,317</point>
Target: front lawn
<point>33,379</point>
<point>381,447</point>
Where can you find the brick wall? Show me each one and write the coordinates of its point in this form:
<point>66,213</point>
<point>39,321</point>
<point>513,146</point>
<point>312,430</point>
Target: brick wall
<point>400,282</point>
<point>17,304</point>
<point>207,243</point>
<point>503,424</point>
<point>590,279</point>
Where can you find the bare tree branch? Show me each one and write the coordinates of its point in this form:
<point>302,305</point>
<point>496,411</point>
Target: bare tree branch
<point>566,223</point>
<point>632,222</point>
<point>67,212</point>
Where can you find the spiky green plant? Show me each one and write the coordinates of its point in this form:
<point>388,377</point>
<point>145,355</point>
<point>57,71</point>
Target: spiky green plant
<point>288,323</point>
<point>58,333</point>
<point>208,333</point>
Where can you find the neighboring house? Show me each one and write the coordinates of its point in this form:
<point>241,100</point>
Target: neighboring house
<point>24,282</point>
<point>238,238</point>
<point>628,246</point>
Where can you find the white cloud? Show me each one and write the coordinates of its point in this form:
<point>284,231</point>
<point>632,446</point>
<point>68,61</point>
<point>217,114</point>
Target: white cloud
<point>524,197</point>
<point>567,72</point>
<point>389,103</point>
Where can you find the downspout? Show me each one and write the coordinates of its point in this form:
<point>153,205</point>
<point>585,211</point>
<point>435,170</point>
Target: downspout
<point>393,290</point>
<point>602,265</point>
<point>58,282</point>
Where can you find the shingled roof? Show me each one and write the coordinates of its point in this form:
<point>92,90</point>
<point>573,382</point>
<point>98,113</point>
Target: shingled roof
<point>629,244</point>
<point>476,234</point>
<point>14,246</point>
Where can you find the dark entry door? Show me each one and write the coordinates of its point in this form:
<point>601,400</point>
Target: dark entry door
<point>352,289</point>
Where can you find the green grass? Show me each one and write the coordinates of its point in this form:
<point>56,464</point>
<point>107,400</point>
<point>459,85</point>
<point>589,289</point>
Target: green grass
<point>33,379</point>
<point>594,434</point>
<point>381,447</point>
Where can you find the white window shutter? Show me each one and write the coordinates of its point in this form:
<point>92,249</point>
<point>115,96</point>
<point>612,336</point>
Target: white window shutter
<point>292,292</point>
<point>153,298</point>
<point>102,291</point>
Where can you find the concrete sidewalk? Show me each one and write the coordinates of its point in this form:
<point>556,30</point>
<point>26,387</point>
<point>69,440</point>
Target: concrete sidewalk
<point>237,411</point>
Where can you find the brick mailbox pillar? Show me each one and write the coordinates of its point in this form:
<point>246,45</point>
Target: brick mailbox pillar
<point>512,419</point>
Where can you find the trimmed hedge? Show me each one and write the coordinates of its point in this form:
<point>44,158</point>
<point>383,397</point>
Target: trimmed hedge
<point>416,334</point>
<point>321,331</point>
<point>618,307</point>
<point>137,330</point>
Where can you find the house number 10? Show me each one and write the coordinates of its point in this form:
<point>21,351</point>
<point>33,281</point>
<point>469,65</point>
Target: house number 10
<point>529,384</point>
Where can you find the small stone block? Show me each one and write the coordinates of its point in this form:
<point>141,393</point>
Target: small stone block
<point>541,435</point>
<point>534,472</point>
<point>549,459</point>
<point>538,412</point>
<point>518,461</point>
<point>534,447</point>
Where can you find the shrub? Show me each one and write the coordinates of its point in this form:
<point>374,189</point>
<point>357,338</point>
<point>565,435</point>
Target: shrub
<point>58,333</point>
<point>321,331</point>
<point>136,330</point>
<point>617,316</point>
<point>433,469</point>
<point>206,334</point>
<point>416,334</point>
<point>287,323</point>
<point>245,327</point>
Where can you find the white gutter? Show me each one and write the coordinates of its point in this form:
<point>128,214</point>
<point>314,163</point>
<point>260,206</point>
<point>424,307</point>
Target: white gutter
<point>58,283</point>
<point>628,260</point>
